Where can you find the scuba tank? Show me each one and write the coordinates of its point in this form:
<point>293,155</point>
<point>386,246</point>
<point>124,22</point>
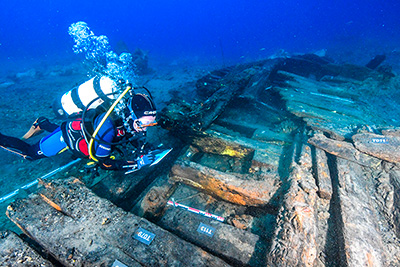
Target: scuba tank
<point>79,97</point>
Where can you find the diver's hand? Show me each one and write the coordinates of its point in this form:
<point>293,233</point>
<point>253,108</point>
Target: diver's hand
<point>130,167</point>
<point>145,160</point>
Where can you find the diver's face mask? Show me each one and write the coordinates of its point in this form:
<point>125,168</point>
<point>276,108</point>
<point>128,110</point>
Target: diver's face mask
<point>142,123</point>
<point>147,112</point>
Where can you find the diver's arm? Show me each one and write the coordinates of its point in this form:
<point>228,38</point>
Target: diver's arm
<point>143,156</point>
<point>113,164</point>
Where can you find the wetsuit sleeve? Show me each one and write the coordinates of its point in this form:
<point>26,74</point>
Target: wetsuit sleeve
<point>139,142</point>
<point>112,164</point>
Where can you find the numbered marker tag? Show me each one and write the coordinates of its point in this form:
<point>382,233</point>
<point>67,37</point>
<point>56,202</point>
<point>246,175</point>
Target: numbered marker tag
<point>117,263</point>
<point>206,229</point>
<point>380,140</point>
<point>143,236</point>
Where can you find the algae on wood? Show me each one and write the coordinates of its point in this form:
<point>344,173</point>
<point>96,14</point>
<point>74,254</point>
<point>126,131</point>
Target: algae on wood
<point>96,232</point>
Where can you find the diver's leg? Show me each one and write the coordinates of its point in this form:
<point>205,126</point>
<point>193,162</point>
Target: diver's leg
<point>21,148</point>
<point>52,144</point>
<point>38,126</point>
<point>46,125</point>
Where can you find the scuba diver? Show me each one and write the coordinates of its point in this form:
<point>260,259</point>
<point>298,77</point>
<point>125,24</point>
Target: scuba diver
<point>95,134</point>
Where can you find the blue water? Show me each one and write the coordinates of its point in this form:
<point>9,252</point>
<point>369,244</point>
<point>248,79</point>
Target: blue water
<point>243,30</point>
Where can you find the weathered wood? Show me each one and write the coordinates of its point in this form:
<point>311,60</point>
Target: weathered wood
<point>230,144</point>
<point>307,84</point>
<point>249,189</point>
<point>230,243</point>
<point>295,241</point>
<point>301,92</point>
<point>392,197</point>
<point>391,132</point>
<point>197,118</point>
<point>335,131</point>
<point>260,132</point>
<point>306,160</point>
<point>221,145</point>
<point>323,174</point>
<point>380,146</point>
<point>344,150</point>
<point>387,185</point>
<point>97,232</point>
<point>359,226</point>
<point>153,202</point>
<point>308,110</point>
<point>15,252</point>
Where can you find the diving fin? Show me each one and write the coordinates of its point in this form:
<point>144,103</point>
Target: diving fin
<point>41,124</point>
<point>33,131</point>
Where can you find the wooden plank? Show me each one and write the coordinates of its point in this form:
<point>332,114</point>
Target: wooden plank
<point>198,118</point>
<point>385,147</point>
<point>318,86</point>
<point>92,231</point>
<point>344,150</point>
<point>245,189</point>
<point>260,132</point>
<point>260,153</point>
<point>15,252</point>
<point>323,174</point>
<point>307,110</point>
<point>359,225</point>
<point>220,144</point>
<point>335,131</point>
<point>151,205</point>
<point>235,245</point>
<point>295,241</point>
<point>327,105</point>
<point>236,142</point>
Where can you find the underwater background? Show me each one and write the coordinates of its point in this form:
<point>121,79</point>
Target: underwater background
<point>37,62</point>
<point>211,31</point>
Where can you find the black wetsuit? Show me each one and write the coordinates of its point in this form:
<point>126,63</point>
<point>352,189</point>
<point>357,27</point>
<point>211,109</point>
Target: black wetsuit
<point>71,135</point>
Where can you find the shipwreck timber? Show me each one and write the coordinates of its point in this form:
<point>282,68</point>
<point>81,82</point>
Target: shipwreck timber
<point>297,158</point>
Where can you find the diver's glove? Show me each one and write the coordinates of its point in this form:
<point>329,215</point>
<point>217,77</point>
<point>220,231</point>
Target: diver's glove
<point>145,160</point>
<point>142,161</point>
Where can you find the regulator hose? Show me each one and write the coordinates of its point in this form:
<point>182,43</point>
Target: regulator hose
<point>128,88</point>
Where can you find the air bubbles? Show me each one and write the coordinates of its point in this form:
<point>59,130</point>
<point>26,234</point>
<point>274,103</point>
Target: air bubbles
<point>97,51</point>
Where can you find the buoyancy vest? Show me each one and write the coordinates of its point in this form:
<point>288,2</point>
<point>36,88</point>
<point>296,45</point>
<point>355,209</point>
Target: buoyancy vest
<point>75,137</point>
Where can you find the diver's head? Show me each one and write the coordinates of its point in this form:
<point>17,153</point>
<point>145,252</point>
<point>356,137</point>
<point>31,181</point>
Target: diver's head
<point>142,112</point>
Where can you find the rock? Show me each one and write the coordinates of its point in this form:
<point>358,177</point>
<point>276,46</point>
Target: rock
<point>5,85</point>
<point>29,74</point>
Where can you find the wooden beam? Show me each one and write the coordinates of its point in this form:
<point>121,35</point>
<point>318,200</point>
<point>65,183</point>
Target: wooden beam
<point>344,150</point>
<point>245,189</point>
<point>99,232</point>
